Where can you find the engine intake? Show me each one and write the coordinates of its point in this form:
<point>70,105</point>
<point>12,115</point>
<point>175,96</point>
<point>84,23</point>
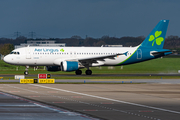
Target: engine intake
<point>69,66</point>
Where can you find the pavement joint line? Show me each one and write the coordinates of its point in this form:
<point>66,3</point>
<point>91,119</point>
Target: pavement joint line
<point>80,102</point>
<point>94,96</point>
<point>110,80</point>
<point>18,105</point>
<point>35,103</point>
<point>48,107</point>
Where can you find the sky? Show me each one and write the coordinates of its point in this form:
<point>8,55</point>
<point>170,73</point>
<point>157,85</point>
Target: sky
<point>94,18</point>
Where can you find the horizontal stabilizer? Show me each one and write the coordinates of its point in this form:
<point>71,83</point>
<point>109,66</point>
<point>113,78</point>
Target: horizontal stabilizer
<point>159,54</point>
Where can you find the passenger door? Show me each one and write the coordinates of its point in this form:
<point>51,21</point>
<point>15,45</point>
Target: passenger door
<point>139,54</point>
<point>28,53</point>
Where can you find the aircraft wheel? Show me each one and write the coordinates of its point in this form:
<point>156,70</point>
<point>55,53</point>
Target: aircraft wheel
<point>78,72</point>
<point>26,73</point>
<point>88,72</point>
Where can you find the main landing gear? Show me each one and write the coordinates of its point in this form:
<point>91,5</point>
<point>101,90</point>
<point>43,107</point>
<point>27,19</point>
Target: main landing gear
<point>79,72</point>
<point>88,72</point>
<point>26,70</point>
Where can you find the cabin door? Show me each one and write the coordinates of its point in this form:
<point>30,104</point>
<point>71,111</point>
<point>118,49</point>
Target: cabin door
<point>139,54</point>
<point>28,53</point>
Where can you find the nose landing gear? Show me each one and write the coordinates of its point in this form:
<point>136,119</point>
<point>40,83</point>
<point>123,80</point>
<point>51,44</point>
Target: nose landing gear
<point>26,71</point>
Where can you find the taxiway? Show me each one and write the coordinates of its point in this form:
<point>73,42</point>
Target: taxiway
<point>105,101</point>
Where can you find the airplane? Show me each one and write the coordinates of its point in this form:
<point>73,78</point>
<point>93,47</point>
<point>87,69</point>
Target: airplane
<point>75,58</point>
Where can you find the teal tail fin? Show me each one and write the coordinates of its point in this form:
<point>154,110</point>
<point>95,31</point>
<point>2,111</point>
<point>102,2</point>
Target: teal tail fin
<point>157,36</point>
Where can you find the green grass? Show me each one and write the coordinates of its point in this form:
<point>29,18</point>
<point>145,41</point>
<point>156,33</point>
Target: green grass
<point>9,83</point>
<point>164,65</point>
<point>104,77</point>
<point>70,83</point>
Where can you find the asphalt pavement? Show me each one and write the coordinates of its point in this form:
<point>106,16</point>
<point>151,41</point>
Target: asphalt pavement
<point>96,101</point>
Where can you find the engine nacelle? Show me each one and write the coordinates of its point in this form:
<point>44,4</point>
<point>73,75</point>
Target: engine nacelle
<point>69,66</point>
<point>53,68</point>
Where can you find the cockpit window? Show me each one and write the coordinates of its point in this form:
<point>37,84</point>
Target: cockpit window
<point>13,52</point>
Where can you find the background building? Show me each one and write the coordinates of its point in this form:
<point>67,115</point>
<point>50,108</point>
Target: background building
<point>49,43</point>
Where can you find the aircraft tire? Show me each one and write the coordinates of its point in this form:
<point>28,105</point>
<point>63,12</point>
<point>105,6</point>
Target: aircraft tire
<point>88,72</point>
<point>26,73</point>
<point>78,72</point>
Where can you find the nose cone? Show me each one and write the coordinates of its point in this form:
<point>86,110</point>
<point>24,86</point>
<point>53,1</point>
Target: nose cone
<point>7,59</point>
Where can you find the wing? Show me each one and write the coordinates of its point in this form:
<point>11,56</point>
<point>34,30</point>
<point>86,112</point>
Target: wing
<point>90,60</point>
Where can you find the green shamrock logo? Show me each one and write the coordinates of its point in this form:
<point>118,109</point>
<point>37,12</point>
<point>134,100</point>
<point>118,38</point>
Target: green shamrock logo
<point>62,50</point>
<point>156,38</point>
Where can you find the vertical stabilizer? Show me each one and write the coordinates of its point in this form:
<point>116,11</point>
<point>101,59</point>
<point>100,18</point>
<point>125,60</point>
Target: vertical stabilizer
<point>157,36</point>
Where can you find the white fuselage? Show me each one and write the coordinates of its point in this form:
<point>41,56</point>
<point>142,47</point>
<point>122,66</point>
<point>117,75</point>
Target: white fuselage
<point>49,56</point>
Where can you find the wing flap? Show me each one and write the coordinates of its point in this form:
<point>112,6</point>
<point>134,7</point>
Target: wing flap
<point>87,61</point>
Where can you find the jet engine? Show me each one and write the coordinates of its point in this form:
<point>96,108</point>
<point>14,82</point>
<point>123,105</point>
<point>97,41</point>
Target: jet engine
<point>53,68</point>
<point>69,66</point>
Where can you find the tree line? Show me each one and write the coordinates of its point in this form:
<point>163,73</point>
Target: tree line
<point>7,45</point>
